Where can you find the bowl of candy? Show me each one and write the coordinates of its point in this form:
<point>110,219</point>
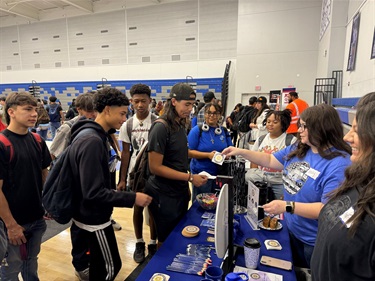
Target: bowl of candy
<point>207,201</point>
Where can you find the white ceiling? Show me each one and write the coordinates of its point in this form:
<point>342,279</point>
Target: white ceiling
<point>13,12</point>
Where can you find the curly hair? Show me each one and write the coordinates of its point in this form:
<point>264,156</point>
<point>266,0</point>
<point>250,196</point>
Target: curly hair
<point>325,133</point>
<point>361,174</point>
<point>109,97</point>
<point>140,89</point>
<point>283,116</point>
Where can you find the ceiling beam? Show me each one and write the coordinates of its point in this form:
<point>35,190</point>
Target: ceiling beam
<point>19,10</point>
<point>84,5</point>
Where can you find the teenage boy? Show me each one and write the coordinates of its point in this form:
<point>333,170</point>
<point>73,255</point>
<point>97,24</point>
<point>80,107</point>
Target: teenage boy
<point>85,107</point>
<point>21,184</point>
<point>133,134</point>
<point>94,198</point>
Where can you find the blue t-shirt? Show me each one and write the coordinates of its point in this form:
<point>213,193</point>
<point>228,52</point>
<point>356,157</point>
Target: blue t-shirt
<point>309,180</point>
<point>204,144</point>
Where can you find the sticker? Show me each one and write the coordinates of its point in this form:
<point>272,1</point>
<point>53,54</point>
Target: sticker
<point>312,173</point>
<point>210,239</point>
<point>346,216</point>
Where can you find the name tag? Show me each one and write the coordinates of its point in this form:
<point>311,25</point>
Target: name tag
<point>312,173</point>
<point>346,216</point>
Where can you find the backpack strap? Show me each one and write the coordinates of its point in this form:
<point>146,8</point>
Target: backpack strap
<point>9,151</point>
<point>129,128</point>
<point>38,139</point>
<point>261,139</point>
<point>288,139</point>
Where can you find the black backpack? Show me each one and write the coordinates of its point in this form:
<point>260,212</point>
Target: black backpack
<point>141,172</point>
<point>244,120</point>
<point>57,195</point>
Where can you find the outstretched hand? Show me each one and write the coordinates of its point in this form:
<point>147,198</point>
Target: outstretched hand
<point>230,151</point>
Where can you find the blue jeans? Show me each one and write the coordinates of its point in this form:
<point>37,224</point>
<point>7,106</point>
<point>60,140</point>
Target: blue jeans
<point>53,127</point>
<point>28,267</point>
<point>301,252</point>
<point>209,187</point>
<point>3,242</point>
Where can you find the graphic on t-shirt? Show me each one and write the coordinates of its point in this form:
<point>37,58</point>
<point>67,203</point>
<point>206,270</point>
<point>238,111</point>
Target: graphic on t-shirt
<point>294,176</point>
<point>331,213</point>
<point>137,144</point>
<point>270,149</point>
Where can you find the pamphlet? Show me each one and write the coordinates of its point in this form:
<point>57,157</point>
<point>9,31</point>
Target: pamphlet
<point>257,275</point>
<point>252,206</point>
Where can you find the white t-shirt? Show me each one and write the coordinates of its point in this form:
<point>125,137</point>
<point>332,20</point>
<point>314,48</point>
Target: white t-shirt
<point>271,146</point>
<point>139,135</point>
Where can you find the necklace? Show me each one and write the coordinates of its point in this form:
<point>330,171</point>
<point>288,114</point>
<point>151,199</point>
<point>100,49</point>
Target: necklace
<point>212,138</point>
<point>141,121</point>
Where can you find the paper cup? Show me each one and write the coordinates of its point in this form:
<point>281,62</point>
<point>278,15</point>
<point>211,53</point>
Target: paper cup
<point>252,250</point>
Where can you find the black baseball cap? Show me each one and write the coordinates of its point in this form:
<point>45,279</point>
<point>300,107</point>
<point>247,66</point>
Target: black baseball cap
<point>182,91</point>
<point>208,97</point>
<point>262,99</point>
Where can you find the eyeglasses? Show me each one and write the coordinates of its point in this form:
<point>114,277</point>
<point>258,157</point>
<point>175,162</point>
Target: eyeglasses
<point>302,126</point>
<point>212,113</point>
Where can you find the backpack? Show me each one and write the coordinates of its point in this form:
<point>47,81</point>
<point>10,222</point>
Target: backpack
<point>9,150</point>
<point>54,115</point>
<point>244,119</point>
<point>288,139</point>
<point>57,194</point>
<point>141,172</point>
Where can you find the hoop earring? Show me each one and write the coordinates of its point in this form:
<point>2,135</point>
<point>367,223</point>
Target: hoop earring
<point>218,131</point>
<point>205,127</point>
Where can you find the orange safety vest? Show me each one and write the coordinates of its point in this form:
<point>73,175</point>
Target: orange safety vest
<point>296,107</point>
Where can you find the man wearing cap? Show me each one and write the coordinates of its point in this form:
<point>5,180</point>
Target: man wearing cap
<point>168,162</point>
<point>296,106</point>
<point>208,98</point>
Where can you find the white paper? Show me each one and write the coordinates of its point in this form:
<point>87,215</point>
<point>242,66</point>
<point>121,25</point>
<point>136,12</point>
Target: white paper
<point>256,275</point>
<point>209,176</point>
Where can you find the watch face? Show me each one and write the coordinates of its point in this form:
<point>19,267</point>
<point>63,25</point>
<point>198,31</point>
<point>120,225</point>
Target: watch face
<point>288,207</point>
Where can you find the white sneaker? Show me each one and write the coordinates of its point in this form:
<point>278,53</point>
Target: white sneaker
<point>83,275</point>
<point>116,225</point>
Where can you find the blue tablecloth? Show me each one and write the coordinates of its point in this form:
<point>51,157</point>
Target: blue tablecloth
<point>176,243</point>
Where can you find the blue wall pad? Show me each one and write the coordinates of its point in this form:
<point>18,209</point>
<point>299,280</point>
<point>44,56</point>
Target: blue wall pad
<point>66,91</point>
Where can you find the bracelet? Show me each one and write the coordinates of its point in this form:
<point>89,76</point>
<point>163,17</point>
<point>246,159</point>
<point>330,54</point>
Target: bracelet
<point>293,207</point>
<point>191,177</point>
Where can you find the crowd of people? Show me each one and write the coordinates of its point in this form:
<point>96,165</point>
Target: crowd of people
<point>322,181</point>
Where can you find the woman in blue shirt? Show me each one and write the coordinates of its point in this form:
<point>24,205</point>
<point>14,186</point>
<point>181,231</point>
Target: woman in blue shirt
<point>203,142</point>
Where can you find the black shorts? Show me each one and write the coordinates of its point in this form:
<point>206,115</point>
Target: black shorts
<point>166,211</point>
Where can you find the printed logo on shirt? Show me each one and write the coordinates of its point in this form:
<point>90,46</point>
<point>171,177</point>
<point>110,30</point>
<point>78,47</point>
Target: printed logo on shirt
<point>295,176</point>
<point>330,213</point>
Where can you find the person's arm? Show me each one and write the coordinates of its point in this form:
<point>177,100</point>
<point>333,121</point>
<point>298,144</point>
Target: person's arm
<point>62,114</point>
<point>201,155</point>
<point>15,231</point>
<point>125,159</point>
<point>306,210</point>
<point>260,158</point>
<point>155,162</point>
<point>115,143</point>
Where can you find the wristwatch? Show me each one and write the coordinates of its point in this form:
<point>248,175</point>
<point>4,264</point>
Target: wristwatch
<point>289,207</point>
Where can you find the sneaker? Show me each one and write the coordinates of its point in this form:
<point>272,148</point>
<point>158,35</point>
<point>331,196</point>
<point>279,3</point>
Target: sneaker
<point>83,275</point>
<point>139,253</point>
<point>152,248</point>
<point>116,225</point>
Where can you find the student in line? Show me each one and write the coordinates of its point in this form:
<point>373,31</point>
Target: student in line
<point>94,198</point>
<point>134,134</point>
<point>345,245</point>
<point>312,167</point>
<point>21,184</point>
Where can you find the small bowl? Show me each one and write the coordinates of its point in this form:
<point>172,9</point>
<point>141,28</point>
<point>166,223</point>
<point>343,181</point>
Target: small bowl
<point>207,201</point>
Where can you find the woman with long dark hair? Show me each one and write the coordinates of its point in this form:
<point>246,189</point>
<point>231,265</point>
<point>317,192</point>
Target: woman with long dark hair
<point>345,245</point>
<point>312,167</point>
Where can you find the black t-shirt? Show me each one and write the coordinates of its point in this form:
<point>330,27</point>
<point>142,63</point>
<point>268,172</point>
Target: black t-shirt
<point>338,256</point>
<point>173,145</point>
<point>24,195</point>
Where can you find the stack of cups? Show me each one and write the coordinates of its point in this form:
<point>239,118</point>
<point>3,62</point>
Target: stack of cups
<point>252,250</point>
